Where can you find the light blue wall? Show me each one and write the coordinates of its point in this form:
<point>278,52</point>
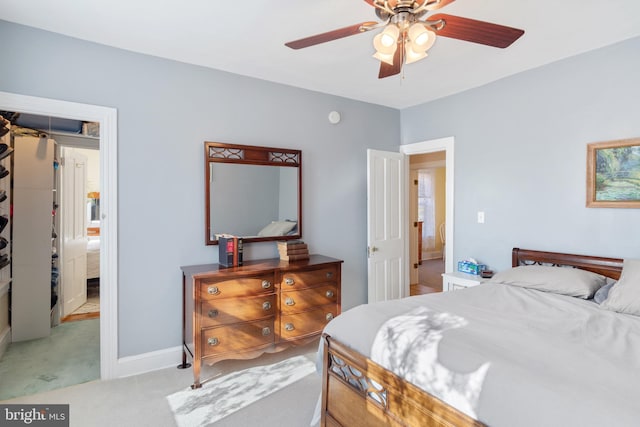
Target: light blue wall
<point>520,155</point>
<point>166,110</point>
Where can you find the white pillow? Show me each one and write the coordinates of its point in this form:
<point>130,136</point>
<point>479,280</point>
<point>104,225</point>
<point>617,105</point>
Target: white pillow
<point>560,280</point>
<point>624,297</point>
<point>277,228</point>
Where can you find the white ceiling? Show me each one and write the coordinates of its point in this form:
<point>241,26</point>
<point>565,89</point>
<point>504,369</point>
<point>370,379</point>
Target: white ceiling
<point>248,38</point>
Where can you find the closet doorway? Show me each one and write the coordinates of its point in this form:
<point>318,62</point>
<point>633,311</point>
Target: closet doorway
<point>107,119</point>
<point>68,351</point>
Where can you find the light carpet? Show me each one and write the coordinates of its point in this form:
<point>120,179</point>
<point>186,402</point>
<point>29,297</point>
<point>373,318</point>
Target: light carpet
<point>225,395</point>
<point>70,355</point>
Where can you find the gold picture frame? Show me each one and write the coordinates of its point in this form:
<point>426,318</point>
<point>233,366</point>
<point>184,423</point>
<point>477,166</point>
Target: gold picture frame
<point>613,174</point>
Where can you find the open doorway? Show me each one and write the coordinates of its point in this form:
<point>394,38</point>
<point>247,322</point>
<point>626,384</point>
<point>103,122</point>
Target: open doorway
<point>427,211</point>
<point>445,145</point>
<point>63,354</point>
<point>107,118</point>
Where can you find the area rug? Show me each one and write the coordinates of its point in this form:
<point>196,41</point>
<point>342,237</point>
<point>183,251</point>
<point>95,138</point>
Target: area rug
<point>225,395</point>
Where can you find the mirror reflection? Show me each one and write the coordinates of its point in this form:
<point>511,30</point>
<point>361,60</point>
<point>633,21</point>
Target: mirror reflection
<point>253,200</point>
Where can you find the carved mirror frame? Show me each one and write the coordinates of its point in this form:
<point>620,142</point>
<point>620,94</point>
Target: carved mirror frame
<point>219,152</point>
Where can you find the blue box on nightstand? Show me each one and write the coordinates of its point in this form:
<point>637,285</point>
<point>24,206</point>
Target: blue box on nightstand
<point>470,267</point>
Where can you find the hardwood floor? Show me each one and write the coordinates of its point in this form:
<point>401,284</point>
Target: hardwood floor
<point>90,309</point>
<point>429,277</point>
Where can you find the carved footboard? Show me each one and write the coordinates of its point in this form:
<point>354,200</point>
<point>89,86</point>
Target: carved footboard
<point>358,392</point>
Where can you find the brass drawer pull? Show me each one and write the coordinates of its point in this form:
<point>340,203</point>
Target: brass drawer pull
<point>329,274</point>
<point>213,341</point>
<point>289,281</point>
<point>329,294</point>
<point>266,331</point>
<point>213,290</point>
<point>266,284</point>
<point>266,306</point>
<point>213,313</point>
<point>329,316</point>
<point>289,302</point>
<point>289,327</point>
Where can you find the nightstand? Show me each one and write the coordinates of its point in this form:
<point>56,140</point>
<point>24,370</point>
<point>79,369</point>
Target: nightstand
<point>455,280</point>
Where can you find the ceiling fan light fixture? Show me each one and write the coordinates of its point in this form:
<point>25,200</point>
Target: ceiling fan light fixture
<point>421,38</point>
<point>387,41</point>
<point>384,57</point>
<point>390,34</point>
<point>379,46</point>
<point>411,55</point>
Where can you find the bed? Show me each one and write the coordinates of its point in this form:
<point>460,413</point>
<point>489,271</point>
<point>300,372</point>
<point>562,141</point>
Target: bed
<point>495,354</point>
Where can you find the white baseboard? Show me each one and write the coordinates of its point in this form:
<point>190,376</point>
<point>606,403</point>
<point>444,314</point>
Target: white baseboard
<point>147,362</point>
<point>5,340</point>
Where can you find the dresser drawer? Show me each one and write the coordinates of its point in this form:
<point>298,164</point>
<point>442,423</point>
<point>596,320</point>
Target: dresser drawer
<point>237,337</point>
<point>304,279</point>
<point>306,323</point>
<point>225,310</point>
<point>295,301</point>
<point>236,287</point>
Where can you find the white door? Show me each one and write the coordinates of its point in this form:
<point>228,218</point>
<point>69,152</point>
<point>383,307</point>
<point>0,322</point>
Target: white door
<point>73,230</point>
<point>387,264</point>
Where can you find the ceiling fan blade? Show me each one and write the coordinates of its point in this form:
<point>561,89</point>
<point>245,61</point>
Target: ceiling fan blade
<point>332,35</point>
<point>387,70</point>
<point>474,31</point>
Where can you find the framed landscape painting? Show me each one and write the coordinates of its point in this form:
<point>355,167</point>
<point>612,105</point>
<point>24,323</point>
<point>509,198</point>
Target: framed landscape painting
<point>613,174</point>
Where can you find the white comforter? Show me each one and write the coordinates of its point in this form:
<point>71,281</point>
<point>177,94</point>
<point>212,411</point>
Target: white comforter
<point>539,359</point>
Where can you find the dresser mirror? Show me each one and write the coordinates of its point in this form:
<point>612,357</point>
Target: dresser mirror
<point>252,192</point>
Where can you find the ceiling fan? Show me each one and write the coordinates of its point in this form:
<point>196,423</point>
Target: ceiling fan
<point>406,38</point>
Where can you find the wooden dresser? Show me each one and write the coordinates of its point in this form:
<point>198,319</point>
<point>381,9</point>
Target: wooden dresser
<point>262,306</point>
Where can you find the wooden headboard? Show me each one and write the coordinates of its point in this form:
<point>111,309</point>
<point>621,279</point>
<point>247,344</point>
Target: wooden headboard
<point>610,267</point>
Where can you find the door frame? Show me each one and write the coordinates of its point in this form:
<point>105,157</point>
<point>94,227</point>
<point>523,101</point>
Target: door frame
<point>429,146</point>
<point>107,117</point>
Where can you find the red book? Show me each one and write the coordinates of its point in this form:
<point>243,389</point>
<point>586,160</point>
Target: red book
<point>230,250</point>
<point>225,251</point>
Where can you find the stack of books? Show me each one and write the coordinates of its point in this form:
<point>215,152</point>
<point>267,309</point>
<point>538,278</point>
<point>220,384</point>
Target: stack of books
<point>230,248</point>
<point>293,250</point>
